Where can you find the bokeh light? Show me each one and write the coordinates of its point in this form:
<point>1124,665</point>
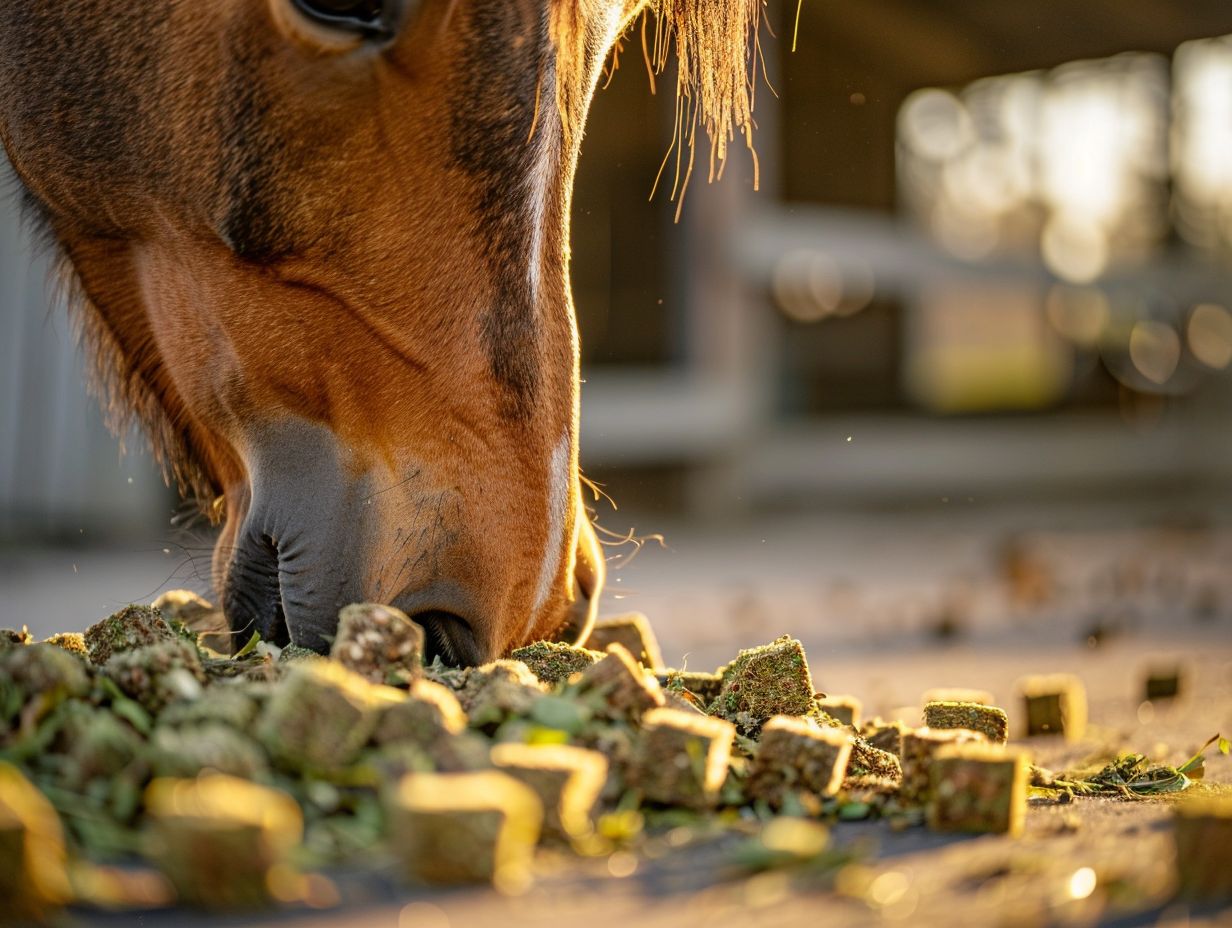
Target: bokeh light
<point>1155,350</point>
<point>1080,314</point>
<point>1209,334</point>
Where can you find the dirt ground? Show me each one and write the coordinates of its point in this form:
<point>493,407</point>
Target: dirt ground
<point>886,615</point>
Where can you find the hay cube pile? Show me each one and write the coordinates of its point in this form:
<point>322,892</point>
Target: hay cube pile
<point>230,773</point>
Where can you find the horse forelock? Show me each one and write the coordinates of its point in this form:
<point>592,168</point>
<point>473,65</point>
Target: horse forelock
<point>714,45</point>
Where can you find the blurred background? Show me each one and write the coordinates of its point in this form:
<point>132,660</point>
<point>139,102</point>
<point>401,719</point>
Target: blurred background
<point>957,371</point>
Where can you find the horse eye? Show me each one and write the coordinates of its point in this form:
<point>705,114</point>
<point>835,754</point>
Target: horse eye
<point>371,18</point>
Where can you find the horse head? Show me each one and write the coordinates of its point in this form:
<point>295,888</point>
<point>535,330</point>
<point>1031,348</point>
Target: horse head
<point>319,249</point>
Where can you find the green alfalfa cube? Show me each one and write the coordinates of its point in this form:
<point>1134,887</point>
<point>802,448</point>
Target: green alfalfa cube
<point>158,674</point>
<point>920,747</point>
<point>1202,832</point>
<point>94,745</point>
<point>553,662</point>
<point>567,780</point>
<point>429,714</point>
<point>619,686</point>
<point>43,671</point>
<point>457,828</point>
<point>845,709</point>
<point>380,643</point>
<point>1054,704</point>
<point>1163,682</point>
<point>885,735</point>
<point>704,686</point>
<point>495,692</point>
<point>235,705</point>
<point>633,632</point>
<point>217,839</point>
<point>990,721</point>
<point>191,750</point>
<point>868,760</point>
<point>794,755</point>
<point>320,715</point>
<point>131,627</point>
<point>764,682</point>
<point>980,788</point>
<point>681,758</point>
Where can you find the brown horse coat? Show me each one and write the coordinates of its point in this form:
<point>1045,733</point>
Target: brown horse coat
<point>328,273</point>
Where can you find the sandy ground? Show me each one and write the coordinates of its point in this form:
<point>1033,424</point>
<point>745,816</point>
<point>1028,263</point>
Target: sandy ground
<point>887,609</point>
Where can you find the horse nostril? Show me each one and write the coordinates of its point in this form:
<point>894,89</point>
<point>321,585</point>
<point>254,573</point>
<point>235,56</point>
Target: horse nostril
<point>447,636</point>
<point>253,598</point>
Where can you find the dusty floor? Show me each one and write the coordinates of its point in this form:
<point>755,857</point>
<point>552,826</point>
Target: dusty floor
<point>886,610</point>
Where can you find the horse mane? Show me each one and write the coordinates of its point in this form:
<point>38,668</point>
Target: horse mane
<point>715,46</point>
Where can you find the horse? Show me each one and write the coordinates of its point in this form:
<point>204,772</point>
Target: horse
<point>319,251</point>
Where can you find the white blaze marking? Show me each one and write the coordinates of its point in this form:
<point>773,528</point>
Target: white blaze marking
<point>558,504</point>
<point>546,159</point>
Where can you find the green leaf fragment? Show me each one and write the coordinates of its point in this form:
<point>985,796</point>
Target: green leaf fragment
<point>248,648</point>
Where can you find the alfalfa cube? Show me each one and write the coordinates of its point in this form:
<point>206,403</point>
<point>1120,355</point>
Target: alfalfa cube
<point>794,755</point>
<point>1202,830</point>
<point>234,705</point>
<point>990,721</point>
<point>1163,682</point>
<point>705,686</point>
<point>884,735</point>
<point>293,653</point>
<point>764,682</point>
<point>634,633</point>
<point>380,643</point>
<point>45,670</point>
<point>1055,704</point>
<point>159,674</point>
<point>553,662</point>
<point>320,715</point>
<point>493,692</point>
<point>131,627</point>
<point>94,744</point>
<point>217,838</point>
<point>34,880</point>
<point>978,788</point>
<point>957,694</point>
<point>869,761</point>
<point>450,828</point>
<point>920,747</point>
<point>567,780</point>
<point>681,758</point>
<point>428,714</point>
<point>845,709</point>
<point>626,689</point>
<point>212,746</point>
